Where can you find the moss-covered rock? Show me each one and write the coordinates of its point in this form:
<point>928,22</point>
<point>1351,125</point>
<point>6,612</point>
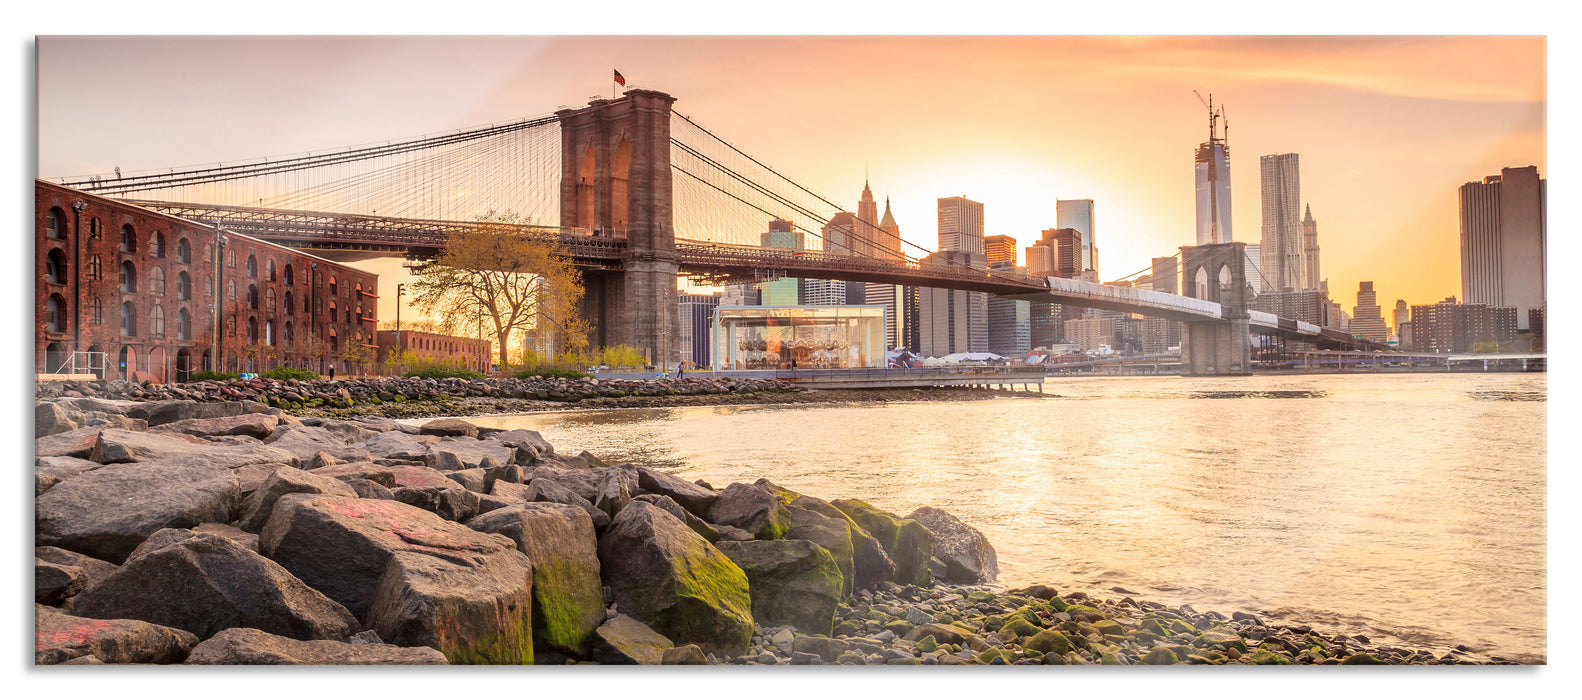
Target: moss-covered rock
<point>673,580</point>
<point>1049,641</point>
<point>1363,659</point>
<point>790,582</point>
<point>568,599</point>
<point>1020,627</point>
<point>927,644</point>
<point>1110,629</point>
<point>906,541</point>
<point>1160,656</point>
<point>1264,657</point>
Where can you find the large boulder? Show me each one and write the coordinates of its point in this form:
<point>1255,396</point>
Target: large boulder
<point>413,476</point>
<point>907,542</point>
<point>59,637</point>
<point>613,494</point>
<point>244,646</point>
<point>696,499</point>
<point>834,535</point>
<point>453,504</point>
<point>568,598</point>
<point>536,444</point>
<point>968,556</point>
<point>307,441</point>
<point>53,470</point>
<point>870,563</point>
<point>624,640</point>
<point>107,512</point>
<point>257,507</point>
<point>792,582</point>
<point>205,583</point>
<point>549,492</point>
<point>698,525</point>
<point>72,443</point>
<point>80,573</point>
<point>117,446</point>
<point>395,444</point>
<point>449,427</point>
<point>258,425</point>
<point>411,576</point>
<point>465,453</point>
<point>377,473</point>
<point>674,581</point>
<point>162,412</point>
<point>751,509</point>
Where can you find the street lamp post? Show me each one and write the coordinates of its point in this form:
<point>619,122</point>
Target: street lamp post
<point>400,289</point>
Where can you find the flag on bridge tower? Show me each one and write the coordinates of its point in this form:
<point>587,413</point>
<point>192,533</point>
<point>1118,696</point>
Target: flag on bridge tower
<point>620,79</point>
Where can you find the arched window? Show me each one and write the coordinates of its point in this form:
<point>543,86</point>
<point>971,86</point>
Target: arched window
<point>96,311</point>
<point>290,278</point>
<point>359,314</point>
<point>128,362</point>
<point>208,252</point>
<point>348,314</point>
<point>184,287</point>
<point>271,270</point>
<point>183,325</point>
<point>95,228</point>
<point>156,246</point>
<point>252,297</point>
<point>55,357</point>
<point>230,257</point>
<point>55,223</point>
<point>128,319</point>
<point>55,266</point>
<point>335,343</point>
<point>183,251</point>
<point>269,300</point>
<point>333,286</point>
<point>128,239</point>
<point>156,321</point>
<point>291,302</point>
<point>231,331</point>
<point>269,332</point>
<point>290,336</point>
<point>128,277</point>
<point>56,313</point>
<point>359,290</point>
<point>252,330</point>
<point>252,267</point>
<point>94,270</point>
<point>333,314</point>
<point>156,281</point>
<point>230,290</point>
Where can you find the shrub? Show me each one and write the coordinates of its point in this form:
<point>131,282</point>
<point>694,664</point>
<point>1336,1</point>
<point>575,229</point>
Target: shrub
<point>442,372</point>
<point>209,374</point>
<point>550,373</point>
<point>289,373</point>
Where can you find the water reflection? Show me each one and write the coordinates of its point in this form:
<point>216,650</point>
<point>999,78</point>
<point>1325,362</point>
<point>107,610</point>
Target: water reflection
<point>1386,504</point>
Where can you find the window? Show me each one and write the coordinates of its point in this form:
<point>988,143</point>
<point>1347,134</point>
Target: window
<point>96,311</point>
<point>128,362</point>
<point>290,336</point>
<point>269,300</point>
<point>348,314</point>
<point>230,290</point>
<point>252,297</point>
<point>335,344</point>
<point>156,321</point>
<point>95,229</point>
<point>230,257</point>
<point>231,330</point>
<point>333,314</point>
<point>183,325</point>
<point>55,314</point>
<point>55,266</point>
<point>128,277</point>
<point>55,224</point>
<point>269,332</point>
<point>252,267</point>
<point>359,314</point>
<point>156,282</point>
<point>289,278</point>
<point>94,270</point>
<point>128,239</point>
<point>291,303</point>
<point>208,252</point>
<point>332,285</point>
<point>271,270</point>
<point>183,252</point>
<point>156,245</point>
<point>128,319</point>
<point>184,287</point>
<point>252,331</point>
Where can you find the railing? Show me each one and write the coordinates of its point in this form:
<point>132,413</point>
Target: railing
<point>1132,295</point>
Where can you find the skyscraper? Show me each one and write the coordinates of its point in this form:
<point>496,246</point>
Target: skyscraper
<point>1503,235</point>
<point>1283,264</point>
<point>1212,167</point>
<point>1000,249</point>
<point>961,227</point>
<point>1311,276</point>
<point>866,230</point>
<point>696,316</point>
<point>786,290</point>
<point>955,320</point>
<point>841,236</point>
<point>888,247</point>
<point>1367,320</point>
<point>1078,214</point>
<point>1253,266</point>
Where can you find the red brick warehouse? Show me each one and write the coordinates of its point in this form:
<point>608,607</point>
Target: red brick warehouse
<point>139,287</point>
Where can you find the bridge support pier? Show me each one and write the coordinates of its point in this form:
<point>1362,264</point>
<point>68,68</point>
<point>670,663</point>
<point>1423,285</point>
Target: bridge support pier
<point>1216,348</point>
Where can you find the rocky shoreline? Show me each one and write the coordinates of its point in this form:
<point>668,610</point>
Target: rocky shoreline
<point>233,532</point>
<point>396,397</point>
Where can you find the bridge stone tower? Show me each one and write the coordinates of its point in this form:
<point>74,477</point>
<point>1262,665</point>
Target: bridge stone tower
<point>1216,272</point>
<point>615,183</point>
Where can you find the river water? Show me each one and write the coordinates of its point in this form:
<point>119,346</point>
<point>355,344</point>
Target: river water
<point>1401,506</point>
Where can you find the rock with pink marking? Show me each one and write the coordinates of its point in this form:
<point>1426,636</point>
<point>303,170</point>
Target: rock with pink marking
<point>413,577</point>
<point>59,637</point>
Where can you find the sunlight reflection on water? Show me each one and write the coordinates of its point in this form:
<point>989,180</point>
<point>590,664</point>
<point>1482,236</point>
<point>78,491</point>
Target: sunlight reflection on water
<point>1405,505</point>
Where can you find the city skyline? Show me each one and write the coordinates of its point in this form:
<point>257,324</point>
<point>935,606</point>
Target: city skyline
<point>1361,110</point>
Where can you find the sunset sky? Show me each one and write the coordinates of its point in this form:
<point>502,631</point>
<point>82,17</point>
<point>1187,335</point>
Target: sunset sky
<point>1387,128</point>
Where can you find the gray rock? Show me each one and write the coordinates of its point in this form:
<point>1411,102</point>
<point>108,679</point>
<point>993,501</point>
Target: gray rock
<point>967,554</point>
<point>257,507</point>
<point>792,582</point>
<point>624,640</point>
<point>751,509</point>
<point>696,499</point>
<point>568,597</point>
<point>206,583</point>
<point>697,524</point>
<point>72,443</point>
<point>382,475</point>
<point>59,637</point>
<point>450,427</point>
<point>257,425</point>
<point>612,493</point>
<point>243,646</point>
<point>107,512</point>
<point>53,470</point>
<point>370,489</point>
<point>117,446</point>
<point>453,504</point>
